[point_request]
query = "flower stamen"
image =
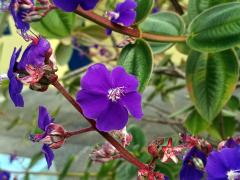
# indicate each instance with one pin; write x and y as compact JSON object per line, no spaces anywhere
{"x":115,"y":94}
{"x":233,"y":174}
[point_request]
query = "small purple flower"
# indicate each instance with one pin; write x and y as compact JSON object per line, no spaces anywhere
{"x":71,"y":5}
{"x":19,"y":10}
{"x":53,"y":136}
{"x":224,"y":164}
{"x":108,"y":96}
{"x":28,"y":70}
{"x":124,"y":14}
{"x":4,"y":175}
{"x":193,"y":165}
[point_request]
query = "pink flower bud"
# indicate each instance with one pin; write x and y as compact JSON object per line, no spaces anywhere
{"x":153,"y":150}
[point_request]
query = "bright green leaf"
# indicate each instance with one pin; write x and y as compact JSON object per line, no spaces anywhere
{"x":137,"y":59}
{"x":216,"y":29}
{"x":163,"y":23}
{"x":57,"y":24}
{"x":144,"y":8}
{"x":211,"y":80}
{"x":195,"y":124}
{"x":63,"y":53}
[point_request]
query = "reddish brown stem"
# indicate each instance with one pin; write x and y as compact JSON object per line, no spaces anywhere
{"x":130,"y":31}
{"x":80,"y":131}
{"x":124,"y":153}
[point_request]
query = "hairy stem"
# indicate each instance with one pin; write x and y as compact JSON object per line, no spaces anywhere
{"x":124,"y":153}
{"x":130,"y":31}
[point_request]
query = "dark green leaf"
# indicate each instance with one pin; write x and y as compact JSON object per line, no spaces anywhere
{"x":144,"y":8}
{"x":211,"y":80}
{"x":57,"y":24}
{"x":63,"y":53}
{"x":195,"y":124}
{"x":233,"y":103}
{"x":163,"y":23}
{"x":137,"y":59}
{"x":66,"y":168}
{"x":139,"y":139}
{"x":216,"y":29}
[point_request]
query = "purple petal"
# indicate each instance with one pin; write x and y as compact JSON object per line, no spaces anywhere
{"x":115,"y":117}
{"x":121,"y":78}
{"x":125,"y":6}
{"x":48,"y":154}
{"x":35,"y":54}
{"x":67,"y":5}
{"x":44,"y":119}
{"x":97,"y":79}
{"x":4,"y":175}
{"x":92,"y":104}
{"x":89,"y":4}
{"x":108,"y":31}
{"x":15,"y":86}
{"x":126,"y":18}
{"x":133,"y":102}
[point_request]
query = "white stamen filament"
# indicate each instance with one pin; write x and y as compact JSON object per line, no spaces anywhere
{"x":115,"y":93}
{"x":233,"y":175}
{"x":112,"y":15}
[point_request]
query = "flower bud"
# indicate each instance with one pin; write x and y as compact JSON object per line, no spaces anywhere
{"x":153,"y":150}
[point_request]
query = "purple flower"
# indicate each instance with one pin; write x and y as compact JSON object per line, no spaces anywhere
{"x":224,"y":164}
{"x":53,"y":135}
{"x":28,"y":70}
{"x":4,"y":175}
{"x":193,"y":165}
{"x":106,"y":96}
{"x":124,"y":14}
{"x":71,"y":5}
{"x":19,"y":10}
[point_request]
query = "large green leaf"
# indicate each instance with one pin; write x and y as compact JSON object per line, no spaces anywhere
{"x":143,"y":9}
{"x":164,"y":23}
{"x":137,"y":59}
{"x":195,"y":7}
{"x":63,"y":53}
{"x":211,"y":80}
{"x":195,"y":124}
{"x":216,"y":29}
{"x":57,"y":24}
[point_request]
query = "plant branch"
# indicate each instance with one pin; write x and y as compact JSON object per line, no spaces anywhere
{"x":177,"y":7}
{"x":124,"y":153}
{"x":130,"y":31}
{"x":174,"y":72}
{"x":80,"y":131}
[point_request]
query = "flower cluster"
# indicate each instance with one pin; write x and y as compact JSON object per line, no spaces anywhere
{"x":30,"y":69}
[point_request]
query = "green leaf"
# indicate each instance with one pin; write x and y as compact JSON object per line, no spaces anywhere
{"x":126,"y":171}
{"x":195,"y":7}
{"x":234,"y":103}
{"x":195,"y":124}
{"x":167,"y":23}
{"x":35,"y":159}
{"x":57,"y":24}
{"x":137,"y":59}
{"x":105,"y":169}
{"x":216,"y":29}
{"x":139,"y":139}
{"x":66,"y":168}
{"x":223,"y":127}
{"x":211,"y":80}
{"x":144,"y":8}
{"x":63,"y":53}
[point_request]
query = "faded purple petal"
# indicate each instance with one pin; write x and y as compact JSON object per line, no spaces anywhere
{"x":115,"y":117}
{"x":92,"y":104}
{"x":48,"y":154}
{"x":44,"y":119}
{"x":121,"y":78}
{"x":4,"y":175}
{"x":89,"y":4}
{"x":133,"y":102}
{"x":15,"y":86}
{"x":108,"y":31}
{"x":97,"y":79}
